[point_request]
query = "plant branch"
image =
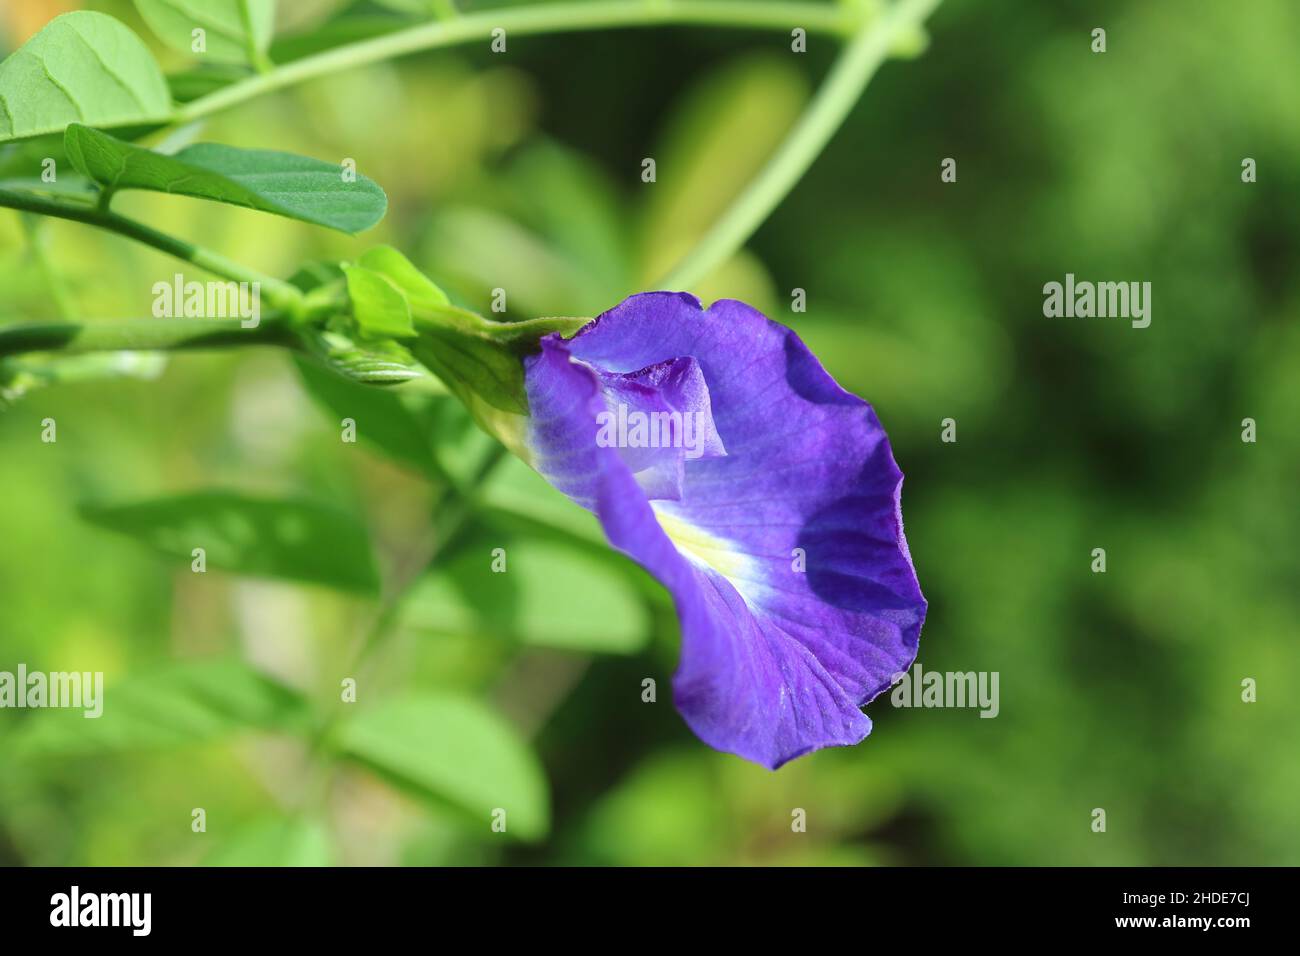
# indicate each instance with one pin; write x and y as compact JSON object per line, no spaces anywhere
{"x":142,"y":335}
{"x":279,"y":294}
{"x":850,"y":74}
{"x":530,"y":20}
{"x":453,"y":508}
{"x":824,"y":115}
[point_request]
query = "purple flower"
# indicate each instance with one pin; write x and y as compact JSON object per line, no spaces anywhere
{"x":719,"y":454}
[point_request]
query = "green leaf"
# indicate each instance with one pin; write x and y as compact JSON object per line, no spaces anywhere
{"x":180,"y":706}
{"x":383,"y":418}
{"x":82,"y":67}
{"x":281,"y":183}
{"x":235,"y":31}
{"x":480,"y":361}
{"x":379,"y":306}
{"x":515,"y":500}
{"x":551,"y":594}
{"x":441,"y":9}
{"x":419,"y":289}
{"x":276,"y":841}
{"x":460,"y":445}
{"x":285,"y":538}
{"x":453,"y":750}
{"x":409,"y":6}
{"x":315,"y":273}
{"x":516,"y":491}
{"x":665,"y":811}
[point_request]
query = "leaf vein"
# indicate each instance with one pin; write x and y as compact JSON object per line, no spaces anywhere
{"x":204,"y":22}
{"x":104,"y":66}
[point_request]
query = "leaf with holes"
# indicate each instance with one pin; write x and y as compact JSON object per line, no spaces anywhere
{"x":179,"y":706}
{"x":277,"y":538}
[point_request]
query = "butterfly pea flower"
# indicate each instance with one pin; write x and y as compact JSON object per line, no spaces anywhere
{"x":719,"y":454}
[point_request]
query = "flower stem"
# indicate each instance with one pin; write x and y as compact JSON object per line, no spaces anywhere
{"x":530,"y":20}
{"x":279,"y":294}
{"x":824,"y":115}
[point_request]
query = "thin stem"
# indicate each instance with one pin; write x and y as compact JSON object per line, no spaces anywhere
{"x":453,"y":509}
{"x":279,"y":294}
{"x":528,"y":20}
{"x":827,"y":111}
{"x":142,"y":335}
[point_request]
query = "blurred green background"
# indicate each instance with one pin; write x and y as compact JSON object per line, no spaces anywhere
{"x":523,"y":690}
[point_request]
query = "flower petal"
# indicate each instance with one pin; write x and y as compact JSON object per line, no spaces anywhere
{"x":658,"y":418}
{"x":785,"y":555}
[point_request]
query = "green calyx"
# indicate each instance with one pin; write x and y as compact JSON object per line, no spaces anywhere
{"x":481,"y":362}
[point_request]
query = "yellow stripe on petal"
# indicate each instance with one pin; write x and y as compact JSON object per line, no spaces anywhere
{"x":703,"y":548}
